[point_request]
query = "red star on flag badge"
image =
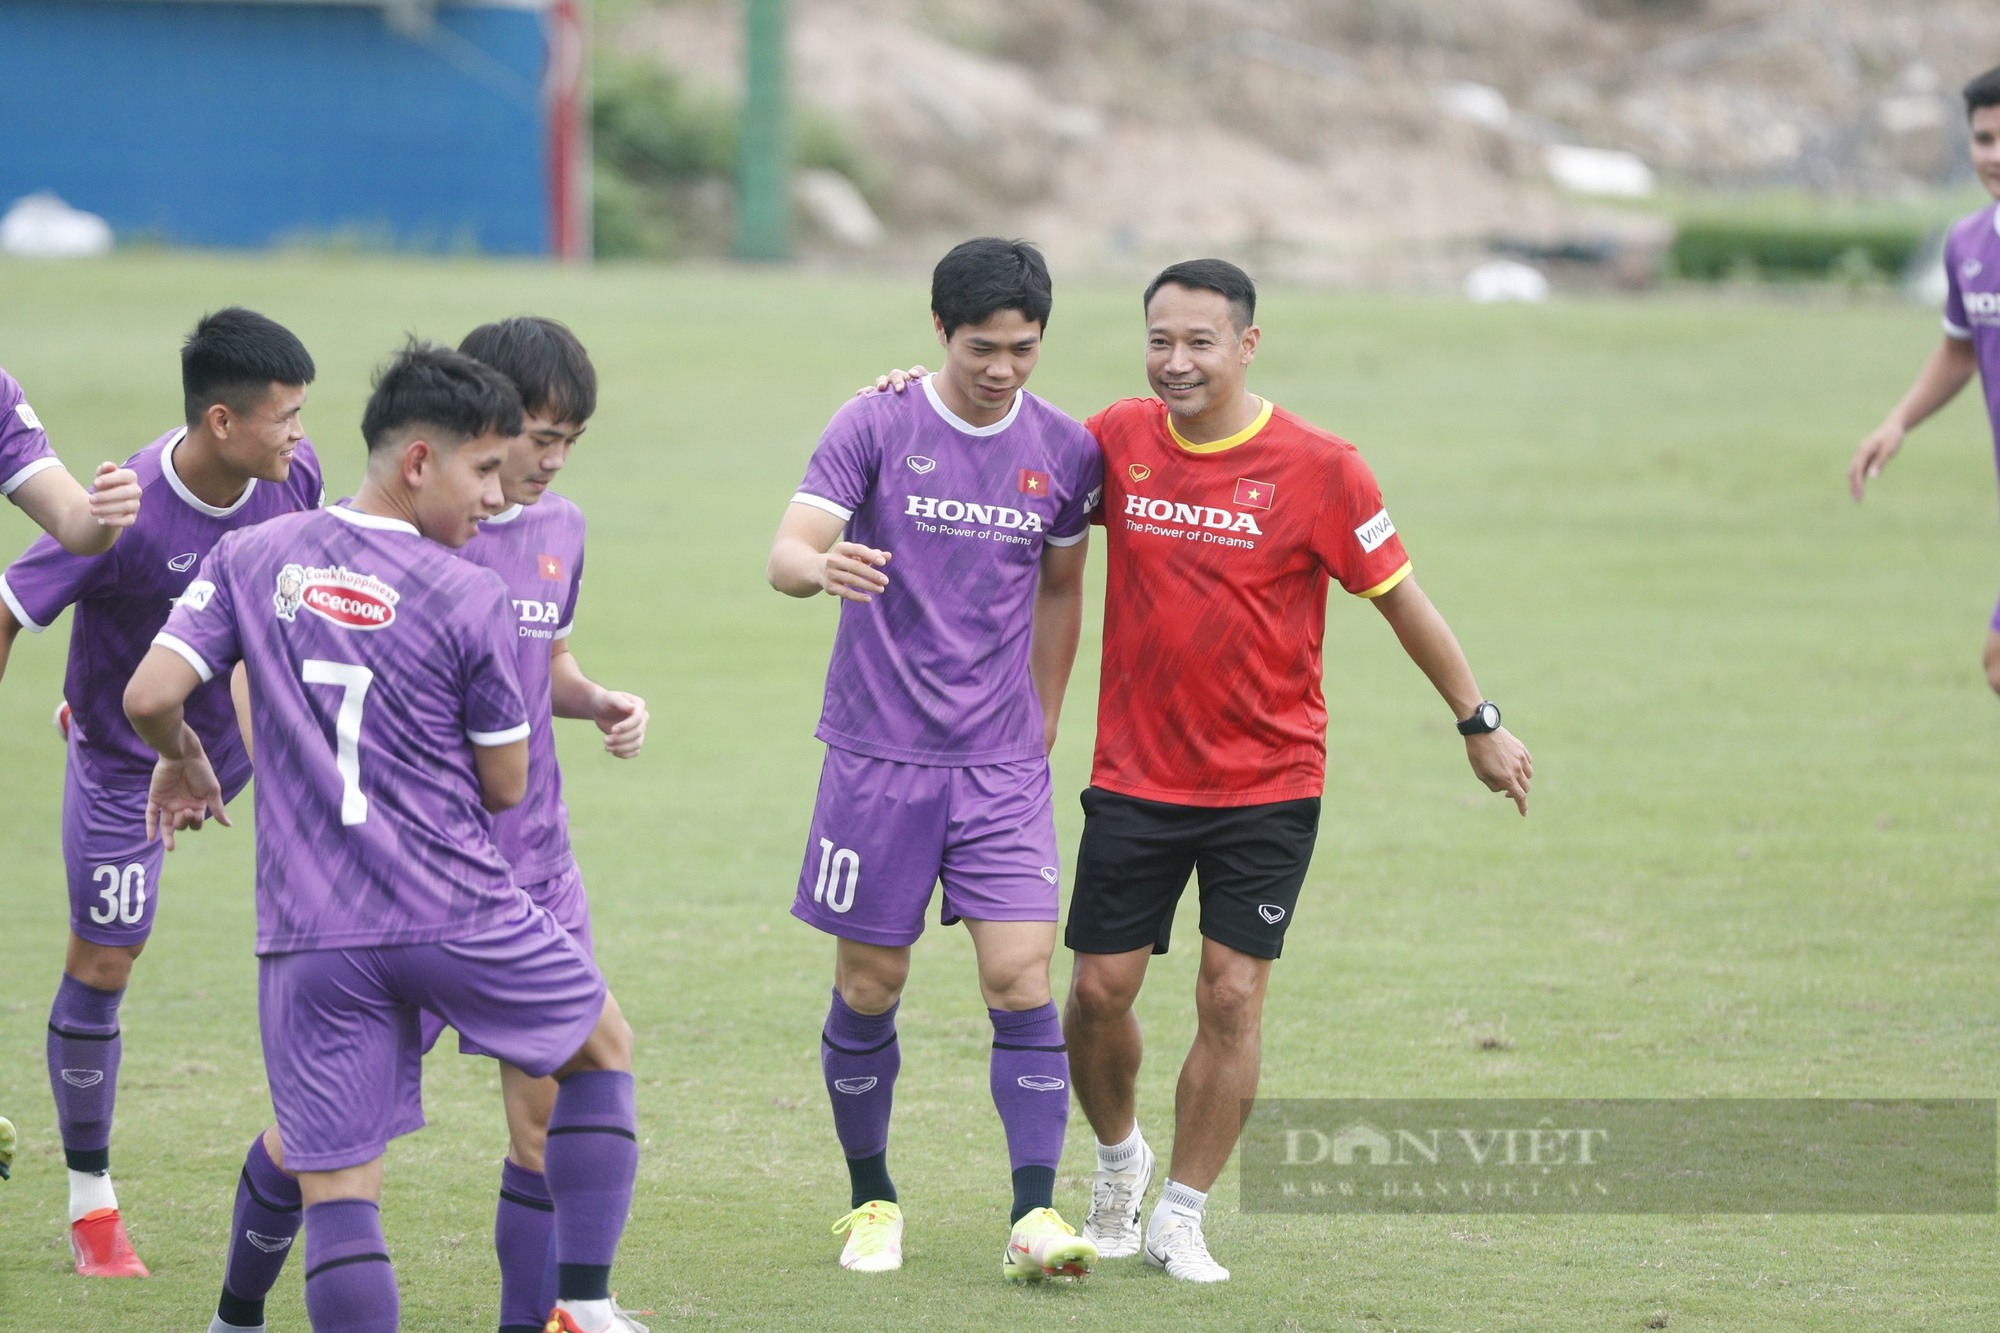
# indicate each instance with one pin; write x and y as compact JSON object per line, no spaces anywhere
{"x":1033,"y":482}
{"x":549,"y":567}
{"x":1256,"y":494}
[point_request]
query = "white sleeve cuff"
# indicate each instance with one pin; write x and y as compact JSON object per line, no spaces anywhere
{"x":1957,"y":331}
{"x":186,"y":654}
{"x":821,"y":502}
{"x":26,"y":621}
{"x":489,"y":739}
{"x":566,"y":630}
{"x":40,"y":465}
{"x":1054,"y":540}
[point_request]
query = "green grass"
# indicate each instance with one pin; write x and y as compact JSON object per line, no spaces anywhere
{"x":1761,"y":858}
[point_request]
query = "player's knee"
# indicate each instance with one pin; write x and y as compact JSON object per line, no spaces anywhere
{"x":106,"y":967}
{"x":1229,"y":1004}
{"x":871,"y":990}
{"x":1016,"y":991}
{"x":1099,"y":995}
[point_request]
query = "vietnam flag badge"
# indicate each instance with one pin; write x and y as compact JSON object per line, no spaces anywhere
{"x":1256,"y":494}
{"x":1033,"y":482}
{"x":549,"y":567}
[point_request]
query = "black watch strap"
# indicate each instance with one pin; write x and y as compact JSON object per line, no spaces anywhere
{"x":1485,"y":718}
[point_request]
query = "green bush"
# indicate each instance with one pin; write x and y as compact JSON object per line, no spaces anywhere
{"x":653,"y":139}
{"x":1709,"y":248}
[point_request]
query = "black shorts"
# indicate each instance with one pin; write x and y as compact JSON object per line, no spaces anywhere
{"x":1136,"y":856}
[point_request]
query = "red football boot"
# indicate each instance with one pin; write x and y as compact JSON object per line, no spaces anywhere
{"x":102,"y":1248}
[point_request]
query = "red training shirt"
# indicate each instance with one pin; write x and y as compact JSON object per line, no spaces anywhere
{"x":1215,"y":605}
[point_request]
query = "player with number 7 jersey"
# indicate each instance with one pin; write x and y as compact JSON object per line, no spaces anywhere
{"x":358,"y":632}
{"x":389,"y":722}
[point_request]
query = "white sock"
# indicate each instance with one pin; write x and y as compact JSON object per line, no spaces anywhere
{"x":594,"y":1316}
{"x":88,"y":1192}
{"x":1177,"y":1203}
{"x":1118,"y":1156}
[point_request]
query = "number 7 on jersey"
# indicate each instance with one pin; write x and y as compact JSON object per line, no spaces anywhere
{"x":354,"y":682}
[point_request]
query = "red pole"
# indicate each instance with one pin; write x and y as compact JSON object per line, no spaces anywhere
{"x":566,"y":86}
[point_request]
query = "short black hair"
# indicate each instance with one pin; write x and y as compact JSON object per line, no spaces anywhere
{"x":1983,"y":91}
{"x":544,"y":359}
{"x":440,"y":391}
{"x":1212,"y":275}
{"x":981,"y":277}
{"x":234,"y":356}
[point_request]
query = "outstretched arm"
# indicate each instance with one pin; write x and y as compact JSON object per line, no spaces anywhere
{"x":807,"y":557}
{"x":620,"y":716}
{"x":1949,"y":368}
{"x":1498,"y":759}
{"x":83,"y":522}
{"x":1058,"y":624}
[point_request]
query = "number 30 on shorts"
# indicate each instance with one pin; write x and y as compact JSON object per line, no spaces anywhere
{"x":123,"y":892}
{"x":839,"y":872}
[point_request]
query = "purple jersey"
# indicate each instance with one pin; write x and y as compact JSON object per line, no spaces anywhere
{"x":935,"y":669}
{"x":122,"y":598}
{"x":24,"y":446}
{"x":377,"y":660}
{"x":537,"y":550}
{"x":1972,"y":299}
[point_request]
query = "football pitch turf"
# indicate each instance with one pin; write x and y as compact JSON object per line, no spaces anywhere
{"x":1760,"y":859}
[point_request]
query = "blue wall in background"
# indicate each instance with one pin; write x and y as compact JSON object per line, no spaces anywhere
{"x":247,"y":124}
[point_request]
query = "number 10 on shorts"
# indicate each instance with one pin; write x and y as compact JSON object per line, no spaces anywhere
{"x":839,"y":871}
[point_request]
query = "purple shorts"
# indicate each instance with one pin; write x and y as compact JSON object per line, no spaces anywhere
{"x":1994,"y":624}
{"x":563,"y":898}
{"x":114,"y":873}
{"x":885,"y":833}
{"x":341,"y":1027}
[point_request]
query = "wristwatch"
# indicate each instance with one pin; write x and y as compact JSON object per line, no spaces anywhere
{"x":1484,"y":718}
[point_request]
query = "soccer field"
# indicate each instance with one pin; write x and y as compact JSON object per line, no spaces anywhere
{"x":1760,"y":859}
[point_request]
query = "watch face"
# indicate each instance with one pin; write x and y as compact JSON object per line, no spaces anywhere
{"x":1489,"y":716}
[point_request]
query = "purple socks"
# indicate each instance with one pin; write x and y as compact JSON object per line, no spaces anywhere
{"x":261,"y":1230}
{"x":860,"y":1057}
{"x":84,"y":1047}
{"x":590,"y":1163}
{"x":350,"y":1287}
{"x":523,"y":1233}
{"x":1030,"y":1081}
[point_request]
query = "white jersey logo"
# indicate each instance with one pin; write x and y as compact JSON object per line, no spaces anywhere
{"x":1375,"y":531}
{"x":28,"y":417}
{"x":1049,"y":874}
{"x":181,"y":564}
{"x":197,"y":596}
{"x":919,"y":464}
{"x":1969,"y":270}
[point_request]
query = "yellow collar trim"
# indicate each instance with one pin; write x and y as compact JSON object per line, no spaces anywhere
{"x":1217,"y":446}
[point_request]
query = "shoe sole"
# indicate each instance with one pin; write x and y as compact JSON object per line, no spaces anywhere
{"x":1071,"y":1260}
{"x":1161,"y":1264}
